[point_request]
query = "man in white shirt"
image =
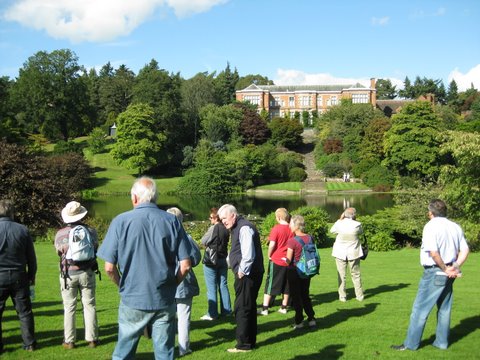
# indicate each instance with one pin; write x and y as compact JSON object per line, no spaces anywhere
{"x":444,"y":249}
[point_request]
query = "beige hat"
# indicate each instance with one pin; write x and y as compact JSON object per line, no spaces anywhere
{"x":73,"y":212}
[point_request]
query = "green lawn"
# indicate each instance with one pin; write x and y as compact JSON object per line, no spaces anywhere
{"x":284,"y":186}
{"x":342,"y":186}
{"x":350,"y":330}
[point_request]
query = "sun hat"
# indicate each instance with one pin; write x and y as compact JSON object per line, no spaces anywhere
{"x":73,"y":212}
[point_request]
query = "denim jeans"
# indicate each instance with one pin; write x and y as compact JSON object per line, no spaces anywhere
{"x":14,"y":284}
{"x":433,"y":289}
{"x":216,"y":280}
{"x":83,"y":282}
{"x":131,"y":324}
{"x":184,"y":309}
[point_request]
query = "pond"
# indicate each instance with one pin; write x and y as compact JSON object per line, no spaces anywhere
{"x":198,"y":207}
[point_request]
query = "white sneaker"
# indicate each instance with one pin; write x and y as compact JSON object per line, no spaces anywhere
{"x":206,"y":317}
{"x":262,"y":312}
{"x":312,"y":323}
{"x":282,"y":310}
{"x":359,"y":298}
{"x":298,"y":326}
{"x":342,"y":299}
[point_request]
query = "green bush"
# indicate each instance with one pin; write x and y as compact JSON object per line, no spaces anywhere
{"x":297,"y":174}
{"x":333,"y":170}
{"x":316,"y":223}
{"x":97,"y":141}
{"x":381,"y":241}
{"x":64,"y":147}
{"x":472,"y":234}
{"x":379,"y":178}
{"x":267,"y":224}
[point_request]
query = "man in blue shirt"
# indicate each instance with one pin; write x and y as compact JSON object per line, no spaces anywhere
{"x":141,"y":250}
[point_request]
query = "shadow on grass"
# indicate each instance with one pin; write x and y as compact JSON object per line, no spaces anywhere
{"x":369,"y":293}
{"x":329,"y":352}
{"x":458,"y":332}
{"x":329,"y":321}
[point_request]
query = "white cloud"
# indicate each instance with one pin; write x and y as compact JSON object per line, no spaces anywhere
{"x":420,"y":14}
{"x":297,"y":77}
{"x":96,"y":20}
{"x":465,"y":81}
{"x":380,"y":21}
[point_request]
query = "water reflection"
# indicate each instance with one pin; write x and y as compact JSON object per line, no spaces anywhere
{"x":198,"y":207}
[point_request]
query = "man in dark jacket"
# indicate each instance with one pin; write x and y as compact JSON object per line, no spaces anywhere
{"x":246,"y":261}
{"x":17,"y":254}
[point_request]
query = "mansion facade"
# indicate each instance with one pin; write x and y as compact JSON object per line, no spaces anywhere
{"x":286,"y":100}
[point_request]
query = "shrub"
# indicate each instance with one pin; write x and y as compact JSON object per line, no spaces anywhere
{"x":472,"y":234}
{"x":381,"y":241}
{"x":286,"y":132}
{"x":64,"y":147}
{"x":97,"y":141}
{"x":316,"y":223}
{"x":333,"y":170}
{"x":297,"y":174}
{"x":379,"y":177}
{"x":267,"y":224}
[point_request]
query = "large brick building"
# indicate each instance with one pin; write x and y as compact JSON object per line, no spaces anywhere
{"x":286,"y":100}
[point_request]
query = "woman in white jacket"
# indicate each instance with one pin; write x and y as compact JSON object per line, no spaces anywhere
{"x":347,"y":250}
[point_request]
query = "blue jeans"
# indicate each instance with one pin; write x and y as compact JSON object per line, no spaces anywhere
{"x":216,"y":279}
{"x":433,"y":289}
{"x":131,"y":324}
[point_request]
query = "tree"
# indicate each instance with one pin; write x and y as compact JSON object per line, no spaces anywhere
{"x":407,"y":91}
{"x":253,"y":129}
{"x":139,"y":144}
{"x":286,"y":132}
{"x":412,"y":141}
{"x":49,"y":95}
{"x":225,"y":86}
{"x":245,"y":81}
{"x":385,"y":89}
{"x":461,"y":176}
{"x":196,"y":93}
{"x":220,"y":123}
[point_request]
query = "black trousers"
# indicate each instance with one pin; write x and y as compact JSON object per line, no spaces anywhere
{"x":14,"y":284}
{"x":300,"y":295}
{"x":245,"y":308}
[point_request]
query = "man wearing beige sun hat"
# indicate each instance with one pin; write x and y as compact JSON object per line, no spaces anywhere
{"x":77,"y":274}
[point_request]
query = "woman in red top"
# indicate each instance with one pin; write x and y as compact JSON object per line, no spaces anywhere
{"x":299,"y":288}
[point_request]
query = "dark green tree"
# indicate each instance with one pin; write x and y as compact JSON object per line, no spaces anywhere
{"x":286,"y":132}
{"x":385,"y":89}
{"x":245,"y":81}
{"x":225,"y":84}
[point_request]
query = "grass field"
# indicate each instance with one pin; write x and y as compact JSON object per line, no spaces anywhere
{"x":345,"y":186}
{"x":350,"y":330}
{"x":284,"y":186}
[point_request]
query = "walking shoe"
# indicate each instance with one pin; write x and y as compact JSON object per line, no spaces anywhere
{"x":399,"y":347}
{"x":186,"y":352}
{"x":30,"y":348}
{"x":282,"y":310}
{"x":312,"y":323}
{"x":68,"y":346}
{"x":235,"y":350}
{"x":342,"y":299}
{"x":298,"y":326}
{"x":93,"y":344}
{"x":206,"y":317}
{"x":359,"y":298}
{"x":262,"y":312}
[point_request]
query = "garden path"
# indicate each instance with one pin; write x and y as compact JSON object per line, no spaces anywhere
{"x":315,"y":180}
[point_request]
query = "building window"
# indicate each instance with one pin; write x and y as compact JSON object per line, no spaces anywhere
{"x":254,"y":99}
{"x":291,"y":101}
{"x":360,"y":98}
{"x":319,"y":101}
{"x":305,"y":101}
{"x":333,"y":100}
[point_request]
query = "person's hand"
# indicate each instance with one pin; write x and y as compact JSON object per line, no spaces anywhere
{"x":240,"y":274}
{"x":453,"y":272}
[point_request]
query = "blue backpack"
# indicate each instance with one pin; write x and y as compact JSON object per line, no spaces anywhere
{"x":309,"y":263}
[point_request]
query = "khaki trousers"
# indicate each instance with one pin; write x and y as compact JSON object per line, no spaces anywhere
{"x":354,"y":266}
{"x":83,"y":283}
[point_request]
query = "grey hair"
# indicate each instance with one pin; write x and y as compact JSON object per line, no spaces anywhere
{"x":298,"y":222}
{"x":350,"y":213}
{"x":227,"y":209}
{"x":6,"y":208}
{"x":177,"y":212}
{"x":145,"y":189}
{"x":438,"y":208}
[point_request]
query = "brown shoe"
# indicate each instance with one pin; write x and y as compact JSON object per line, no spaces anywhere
{"x":93,"y":344}
{"x":68,"y":346}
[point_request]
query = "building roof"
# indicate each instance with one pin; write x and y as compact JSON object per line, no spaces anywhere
{"x":296,"y":88}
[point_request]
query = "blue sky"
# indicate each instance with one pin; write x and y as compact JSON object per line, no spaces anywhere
{"x":290,"y":41}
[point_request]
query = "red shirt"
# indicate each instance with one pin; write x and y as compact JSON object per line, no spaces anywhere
{"x":280,"y":233}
